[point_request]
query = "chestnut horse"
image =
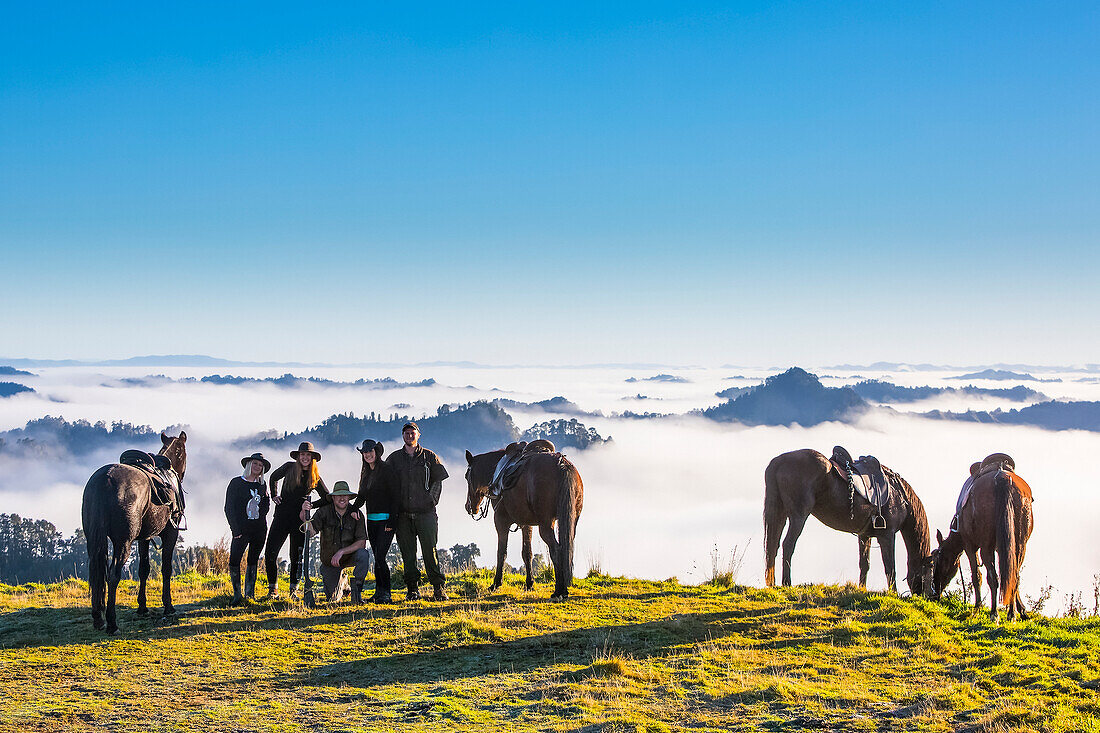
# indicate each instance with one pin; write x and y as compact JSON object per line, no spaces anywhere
{"x":995,"y":521}
{"x":804,"y":482}
{"x":548,"y":491}
{"x":118,"y":506}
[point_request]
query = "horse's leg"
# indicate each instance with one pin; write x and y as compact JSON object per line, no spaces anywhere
{"x":1020,"y":607}
{"x":887,"y":547}
{"x":864,"y":559}
{"x":167,"y":549}
{"x":120,"y":554}
{"x":527,"y":532}
{"x":546,"y":532}
{"x":990,"y":562}
{"x":143,"y":575}
{"x":794,"y":529}
{"x":502,"y":525}
{"x":975,"y":577}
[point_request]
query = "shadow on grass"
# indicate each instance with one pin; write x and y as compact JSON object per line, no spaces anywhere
{"x":575,"y":646}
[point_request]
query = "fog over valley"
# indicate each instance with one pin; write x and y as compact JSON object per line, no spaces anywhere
{"x":667,"y":488}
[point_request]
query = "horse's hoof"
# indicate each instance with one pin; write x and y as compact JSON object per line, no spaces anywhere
{"x":112,"y":630}
{"x":529,"y":586}
{"x":170,"y":611}
{"x":98,"y":624}
{"x":142,"y":611}
{"x":494,"y":588}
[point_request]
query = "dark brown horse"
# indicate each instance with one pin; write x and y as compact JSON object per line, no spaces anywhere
{"x":804,"y":482}
{"x":118,"y":507}
{"x":548,"y":491}
{"x":996,"y":522}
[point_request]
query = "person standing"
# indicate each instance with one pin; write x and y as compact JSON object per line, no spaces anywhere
{"x":420,"y":480}
{"x":300,"y":478}
{"x":246,"y":505}
{"x":343,"y":542}
{"x":378,"y":490}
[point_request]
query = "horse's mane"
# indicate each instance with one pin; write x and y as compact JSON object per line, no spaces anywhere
{"x":917,"y":516}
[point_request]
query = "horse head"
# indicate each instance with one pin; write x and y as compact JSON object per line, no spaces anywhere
{"x":941,"y":566}
{"x":175,"y":450}
{"x":479,"y":473}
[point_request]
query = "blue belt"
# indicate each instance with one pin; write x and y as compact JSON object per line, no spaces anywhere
{"x":378,"y":517}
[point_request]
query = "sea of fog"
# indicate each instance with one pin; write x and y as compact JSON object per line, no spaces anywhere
{"x":660,"y":499}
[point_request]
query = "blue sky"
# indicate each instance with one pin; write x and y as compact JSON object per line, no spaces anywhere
{"x":682,"y":183}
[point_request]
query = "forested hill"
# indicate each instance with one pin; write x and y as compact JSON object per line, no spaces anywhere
{"x":793,"y":397}
{"x":477,"y":427}
{"x":55,"y":437}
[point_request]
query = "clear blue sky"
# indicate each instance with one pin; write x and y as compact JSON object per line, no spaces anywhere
{"x":672,"y":182}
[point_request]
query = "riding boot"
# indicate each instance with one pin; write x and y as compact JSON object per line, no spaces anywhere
{"x":357,"y":594}
{"x":440,"y":594}
{"x":235,"y":577}
{"x":412,"y":594}
{"x":250,"y":582}
{"x":293,"y":594}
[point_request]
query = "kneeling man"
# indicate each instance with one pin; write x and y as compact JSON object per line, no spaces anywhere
{"x":343,"y":542}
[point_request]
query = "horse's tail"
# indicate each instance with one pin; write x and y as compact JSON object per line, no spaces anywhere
{"x":1008,"y":562}
{"x":773,"y":521}
{"x":570,"y":491}
{"x":94,"y":518}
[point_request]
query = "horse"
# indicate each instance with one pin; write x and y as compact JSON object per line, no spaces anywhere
{"x":995,"y":521}
{"x":118,"y":506}
{"x":804,"y":482}
{"x":547,"y":491}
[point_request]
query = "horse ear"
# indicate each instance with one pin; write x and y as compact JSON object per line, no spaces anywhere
{"x":183,"y":437}
{"x":164,"y":438}
{"x":939,"y":537}
{"x":469,"y":458}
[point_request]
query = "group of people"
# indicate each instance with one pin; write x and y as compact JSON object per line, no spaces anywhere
{"x":395,"y":496}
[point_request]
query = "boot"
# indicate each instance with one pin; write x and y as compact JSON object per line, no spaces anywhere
{"x":293,"y":594}
{"x":235,"y":577}
{"x":440,"y":594}
{"x":381,"y":597}
{"x":412,"y":594}
{"x":357,"y":593}
{"x":250,"y":582}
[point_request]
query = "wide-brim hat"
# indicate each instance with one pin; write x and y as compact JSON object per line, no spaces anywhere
{"x":373,"y":445}
{"x":256,"y":457}
{"x":305,"y":447}
{"x":340,"y":488}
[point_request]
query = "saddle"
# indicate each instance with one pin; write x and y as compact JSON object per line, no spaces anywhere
{"x":164,"y":485}
{"x":992,"y":462}
{"x":513,"y":462}
{"x":866,"y":477}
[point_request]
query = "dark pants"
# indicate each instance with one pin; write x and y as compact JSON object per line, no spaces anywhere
{"x":380,"y":536}
{"x":252,"y":539}
{"x":283,"y":525}
{"x":423,"y":527}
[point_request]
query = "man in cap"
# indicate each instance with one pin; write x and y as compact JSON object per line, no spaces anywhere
{"x":343,"y":542}
{"x":420,"y":475}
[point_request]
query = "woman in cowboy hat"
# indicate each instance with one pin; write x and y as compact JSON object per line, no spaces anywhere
{"x":378,"y":489}
{"x":246,"y":506}
{"x":299,"y":478}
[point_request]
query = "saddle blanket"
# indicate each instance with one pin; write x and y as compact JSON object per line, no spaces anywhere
{"x":512,"y":463}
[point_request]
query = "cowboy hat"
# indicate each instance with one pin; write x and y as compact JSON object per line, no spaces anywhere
{"x":340,"y":488}
{"x":256,"y":457}
{"x":373,"y":445}
{"x":305,"y":447}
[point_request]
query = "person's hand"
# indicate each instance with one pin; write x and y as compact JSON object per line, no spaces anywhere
{"x":237,"y":536}
{"x":355,"y":516}
{"x":277,"y":499}
{"x":335,"y":561}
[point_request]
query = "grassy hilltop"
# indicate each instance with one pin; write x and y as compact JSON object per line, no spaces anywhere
{"x":619,"y":655}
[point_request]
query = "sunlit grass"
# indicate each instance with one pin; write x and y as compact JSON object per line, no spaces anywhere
{"x":619,"y":654}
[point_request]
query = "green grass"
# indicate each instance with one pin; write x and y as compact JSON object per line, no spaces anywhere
{"x":618,"y":655}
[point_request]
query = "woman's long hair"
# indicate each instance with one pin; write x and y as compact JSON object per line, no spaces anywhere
{"x":366,"y":471}
{"x":311,"y":475}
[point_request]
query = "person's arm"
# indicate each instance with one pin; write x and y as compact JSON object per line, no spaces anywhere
{"x":436,"y":474}
{"x":276,"y":476}
{"x":323,"y":491}
{"x":234,"y":512}
{"x":359,"y":543}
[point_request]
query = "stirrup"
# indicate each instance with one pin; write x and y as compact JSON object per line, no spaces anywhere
{"x":878,"y":522}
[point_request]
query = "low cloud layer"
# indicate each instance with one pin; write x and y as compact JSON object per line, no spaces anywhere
{"x":659,"y":498}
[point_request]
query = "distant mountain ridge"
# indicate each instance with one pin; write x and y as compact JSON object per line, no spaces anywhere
{"x":793,"y":397}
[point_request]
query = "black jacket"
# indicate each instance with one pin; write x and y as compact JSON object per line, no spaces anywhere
{"x":379,"y":490}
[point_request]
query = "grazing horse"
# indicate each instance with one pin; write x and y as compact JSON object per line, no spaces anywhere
{"x":804,"y":482}
{"x":995,"y":521}
{"x":548,"y":491}
{"x":118,"y":506}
